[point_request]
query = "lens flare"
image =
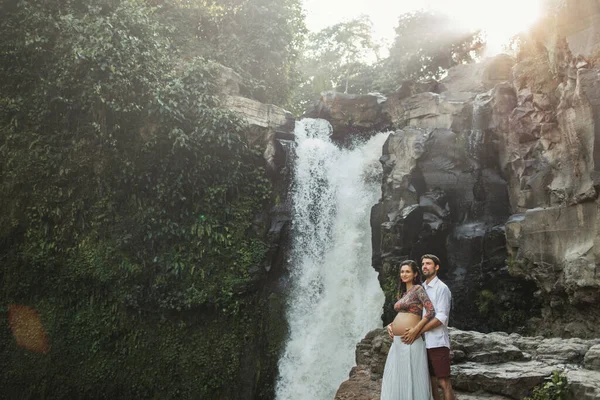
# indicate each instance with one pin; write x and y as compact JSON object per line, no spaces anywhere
{"x":27,"y":328}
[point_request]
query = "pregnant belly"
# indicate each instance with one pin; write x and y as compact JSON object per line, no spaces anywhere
{"x":403,"y":321}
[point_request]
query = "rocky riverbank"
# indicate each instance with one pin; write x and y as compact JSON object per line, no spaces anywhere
{"x":494,"y":366}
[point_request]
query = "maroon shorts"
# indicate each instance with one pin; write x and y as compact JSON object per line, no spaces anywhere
{"x":438,"y":359}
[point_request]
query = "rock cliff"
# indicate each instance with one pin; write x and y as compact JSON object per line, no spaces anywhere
{"x":495,"y":169}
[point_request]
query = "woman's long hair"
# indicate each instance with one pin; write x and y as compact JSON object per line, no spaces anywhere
{"x":416,"y":280}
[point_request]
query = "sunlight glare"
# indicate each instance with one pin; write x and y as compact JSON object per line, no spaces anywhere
{"x":500,"y":20}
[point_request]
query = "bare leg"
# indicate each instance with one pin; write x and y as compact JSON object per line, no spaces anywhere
{"x":434,"y":388}
{"x":447,"y":388}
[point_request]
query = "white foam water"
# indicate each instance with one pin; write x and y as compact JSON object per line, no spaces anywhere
{"x":335,"y":298}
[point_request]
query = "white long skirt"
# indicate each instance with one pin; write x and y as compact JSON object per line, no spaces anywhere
{"x":406,"y":375}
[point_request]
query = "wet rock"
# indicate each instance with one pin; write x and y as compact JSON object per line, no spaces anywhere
{"x":360,"y":386}
{"x":350,"y":114}
{"x":278,"y":238}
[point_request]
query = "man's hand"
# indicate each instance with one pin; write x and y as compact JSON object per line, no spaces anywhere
{"x":389,"y":331}
{"x":410,"y":335}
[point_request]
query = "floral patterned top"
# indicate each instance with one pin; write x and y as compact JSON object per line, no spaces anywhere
{"x":413,"y":302}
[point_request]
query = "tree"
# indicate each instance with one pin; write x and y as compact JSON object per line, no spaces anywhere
{"x":338,"y":57}
{"x":427,"y":44}
{"x":335,"y":53}
{"x":260,"y":39}
{"x":127,"y":202}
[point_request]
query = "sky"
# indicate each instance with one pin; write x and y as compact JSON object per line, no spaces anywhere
{"x":500,"y":19}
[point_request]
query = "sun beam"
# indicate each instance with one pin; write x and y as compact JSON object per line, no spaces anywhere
{"x":500,"y":20}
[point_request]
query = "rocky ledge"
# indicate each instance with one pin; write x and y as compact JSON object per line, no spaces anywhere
{"x":493,"y":366}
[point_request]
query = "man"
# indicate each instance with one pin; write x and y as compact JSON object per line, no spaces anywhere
{"x":437,"y":340}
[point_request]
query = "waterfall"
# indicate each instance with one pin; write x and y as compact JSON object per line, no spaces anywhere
{"x":335,"y":298}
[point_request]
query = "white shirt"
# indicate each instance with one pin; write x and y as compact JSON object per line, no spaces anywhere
{"x":440,"y":296}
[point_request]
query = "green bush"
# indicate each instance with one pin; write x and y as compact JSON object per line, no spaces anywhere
{"x":127,"y":200}
{"x":555,"y":389}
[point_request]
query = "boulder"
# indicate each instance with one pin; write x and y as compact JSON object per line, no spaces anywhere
{"x":360,"y":386}
{"x":261,"y":117}
{"x":267,"y":124}
{"x":510,"y":379}
{"x":584,"y":384}
{"x":350,"y":114}
{"x":592,"y":358}
{"x":487,"y":366}
{"x":479,"y":77}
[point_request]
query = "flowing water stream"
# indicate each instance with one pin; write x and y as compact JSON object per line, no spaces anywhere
{"x":335,"y":298}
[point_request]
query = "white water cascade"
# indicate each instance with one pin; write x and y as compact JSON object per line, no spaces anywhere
{"x":335,"y":297}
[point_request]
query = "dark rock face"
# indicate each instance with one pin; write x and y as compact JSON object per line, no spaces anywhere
{"x":495,"y":170}
{"x":443,"y":192}
{"x":497,"y":174}
{"x":350,"y":114}
{"x":488,"y":366}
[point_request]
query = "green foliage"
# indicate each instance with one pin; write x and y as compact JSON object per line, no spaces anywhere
{"x":260,"y":39}
{"x":127,"y":196}
{"x":427,"y":44}
{"x":500,"y":314}
{"x":486,"y":301}
{"x":555,"y":389}
{"x":345,"y":57}
{"x":390,"y":290}
{"x":338,"y":57}
{"x":335,"y":54}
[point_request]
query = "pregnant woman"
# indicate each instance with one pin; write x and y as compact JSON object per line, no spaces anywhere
{"x":406,"y":376}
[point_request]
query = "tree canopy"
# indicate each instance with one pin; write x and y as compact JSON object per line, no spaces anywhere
{"x":128,"y":199}
{"x":260,"y":39}
{"x":339,"y":58}
{"x":427,"y":44}
{"x":345,"y":57}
